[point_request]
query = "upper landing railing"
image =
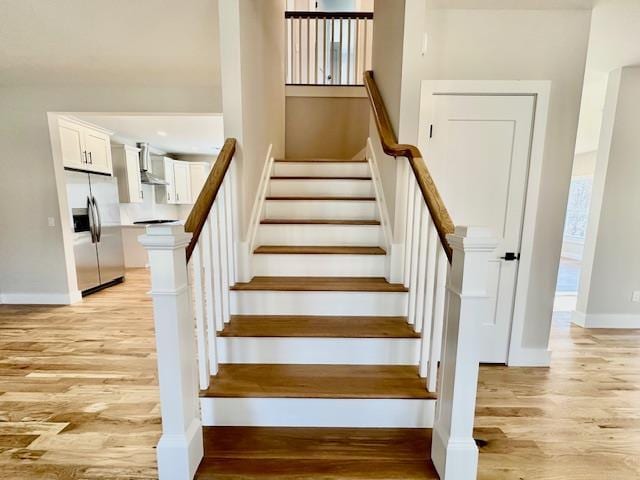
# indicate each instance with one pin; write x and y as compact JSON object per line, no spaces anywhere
{"x":328,"y":48}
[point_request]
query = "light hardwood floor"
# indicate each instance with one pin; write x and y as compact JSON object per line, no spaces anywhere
{"x":78,"y":398}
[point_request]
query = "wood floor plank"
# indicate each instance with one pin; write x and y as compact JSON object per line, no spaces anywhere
{"x":320,"y":284}
{"x":294,"y":221}
{"x":317,"y":381}
{"x":318,"y":250}
{"x":318,"y":327}
{"x":578,"y":420}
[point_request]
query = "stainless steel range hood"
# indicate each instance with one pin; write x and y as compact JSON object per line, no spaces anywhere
{"x":146,"y":176}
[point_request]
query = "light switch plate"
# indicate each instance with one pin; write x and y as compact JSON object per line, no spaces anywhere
{"x":635,"y":296}
{"x":51,"y":221}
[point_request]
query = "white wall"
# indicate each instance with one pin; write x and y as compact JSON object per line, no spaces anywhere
{"x":387,"y":64}
{"x":119,"y":61}
{"x":487,"y":44}
{"x":611,"y":264}
{"x":252,"y":46}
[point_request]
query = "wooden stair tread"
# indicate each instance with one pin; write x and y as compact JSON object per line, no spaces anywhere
{"x":258,"y":380}
{"x":319,"y":160}
{"x":318,"y":250}
{"x":317,"y":326}
{"x":314,"y":453}
{"x":320,"y":284}
{"x":319,"y":178}
{"x":323,"y":198}
{"x":292,"y":221}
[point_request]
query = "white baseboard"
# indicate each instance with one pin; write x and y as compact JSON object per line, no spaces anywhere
{"x":529,"y":357}
{"x":41,"y":298}
{"x":454,"y":459}
{"x":605,"y":320}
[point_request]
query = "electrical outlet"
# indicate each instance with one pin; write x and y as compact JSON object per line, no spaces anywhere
{"x":51,"y":221}
{"x":635,"y":296}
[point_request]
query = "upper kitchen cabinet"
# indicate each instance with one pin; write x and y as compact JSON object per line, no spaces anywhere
{"x":199,"y":172}
{"x":85,"y":147}
{"x":126,"y":167}
{"x":182,"y":181}
{"x":162,"y":167}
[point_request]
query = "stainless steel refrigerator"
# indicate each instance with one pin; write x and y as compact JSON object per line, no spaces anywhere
{"x":97,"y":239}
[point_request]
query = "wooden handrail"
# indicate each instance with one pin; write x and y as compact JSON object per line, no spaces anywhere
{"x":441,"y":218}
{"x":202,"y":207}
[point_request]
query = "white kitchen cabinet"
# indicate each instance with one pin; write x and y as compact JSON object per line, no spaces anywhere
{"x":126,"y":167}
{"x":85,"y":146}
{"x":199,"y":171}
{"x":182,"y":182}
{"x":162,"y":167}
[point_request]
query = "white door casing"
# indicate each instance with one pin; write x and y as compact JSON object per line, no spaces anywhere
{"x":479,"y":156}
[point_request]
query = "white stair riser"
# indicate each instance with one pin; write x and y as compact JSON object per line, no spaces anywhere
{"x":321,"y":209}
{"x":327,"y":351}
{"x":321,"y":169}
{"x":317,"y":412}
{"x":318,"y":265}
{"x":318,"y":303}
{"x":353,"y":188}
{"x":355,"y":235}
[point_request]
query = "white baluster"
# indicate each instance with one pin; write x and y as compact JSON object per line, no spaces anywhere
{"x":216,"y":268}
{"x":205,"y":251}
{"x":180,"y":448}
{"x":224,"y":263}
{"x":422,"y":266}
{"x":199,"y":305}
{"x":408,"y":234}
{"x":433,"y":244}
{"x":454,"y":452}
{"x":418,"y":205}
{"x":439,"y":316}
{"x":228,"y":195}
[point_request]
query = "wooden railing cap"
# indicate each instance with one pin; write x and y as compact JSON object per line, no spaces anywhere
{"x":200,"y":211}
{"x":439,"y":214}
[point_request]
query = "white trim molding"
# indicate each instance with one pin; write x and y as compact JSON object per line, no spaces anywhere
{"x":245,"y":247}
{"x":354,"y":91}
{"x":41,"y":298}
{"x":605,"y":320}
{"x":540,"y":90}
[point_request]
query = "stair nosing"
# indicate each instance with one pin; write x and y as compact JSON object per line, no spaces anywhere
{"x":298,"y":284}
{"x":312,"y":178}
{"x":293,"y":198}
{"x":318,"y":160}
{"x":359,"y":250}
{"x":320,"y":221}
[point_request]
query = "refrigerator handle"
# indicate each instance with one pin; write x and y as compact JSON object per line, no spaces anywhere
{"x":92,"y":220}
{"x":97,"y":210}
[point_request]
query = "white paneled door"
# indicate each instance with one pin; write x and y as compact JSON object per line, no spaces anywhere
{"x":477,"y":148}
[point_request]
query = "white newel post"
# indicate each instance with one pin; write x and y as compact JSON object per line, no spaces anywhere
{"x":180,"y":448}
{"x":453,"y":450}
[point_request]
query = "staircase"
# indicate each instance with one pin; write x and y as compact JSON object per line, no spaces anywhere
{"x":316,"y":365}
{"x":318,"y":338}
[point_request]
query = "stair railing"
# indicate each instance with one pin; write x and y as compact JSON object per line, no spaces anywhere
{"x":446,"y":271}
{"x":327,"y":48}
{"x":192,"y":268}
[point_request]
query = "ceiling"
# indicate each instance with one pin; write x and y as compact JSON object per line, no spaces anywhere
{"x":184,"y":134}
{"x":109,"y":42}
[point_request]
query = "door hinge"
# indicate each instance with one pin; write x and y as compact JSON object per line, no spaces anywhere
{"x":431,"y":131}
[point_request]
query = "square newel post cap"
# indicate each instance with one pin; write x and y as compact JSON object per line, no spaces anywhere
{"x":473,"y":239}
{"x":165,"y":237}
